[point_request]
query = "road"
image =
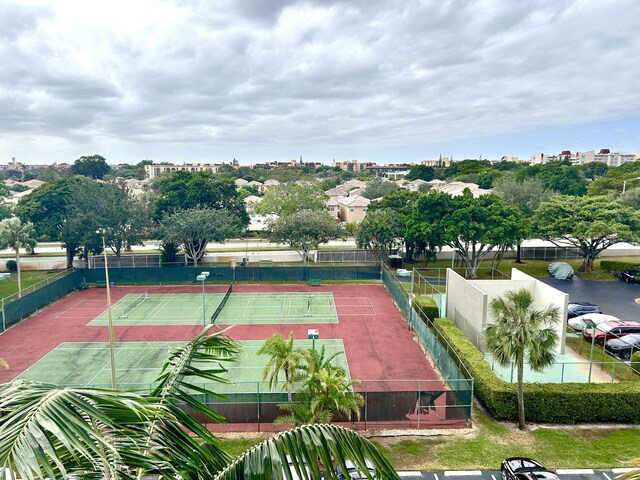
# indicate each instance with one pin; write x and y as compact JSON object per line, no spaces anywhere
{"x":564,"y":474}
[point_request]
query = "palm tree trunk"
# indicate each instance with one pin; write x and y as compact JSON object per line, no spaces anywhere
{"x":522,"y":424}
{"x":18,"y":267}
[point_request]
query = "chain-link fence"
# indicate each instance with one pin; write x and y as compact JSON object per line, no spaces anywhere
{"x":346,"y":256}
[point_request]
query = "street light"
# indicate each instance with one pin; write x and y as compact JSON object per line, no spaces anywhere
{"x":624,"y":184}
{"x":112,"y":353}
{"x":201,"y":278}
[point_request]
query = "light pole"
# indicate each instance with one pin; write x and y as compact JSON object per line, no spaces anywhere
{"x":624,"y":184}
{"x":201,"y":278}
{"x":112,"y":352}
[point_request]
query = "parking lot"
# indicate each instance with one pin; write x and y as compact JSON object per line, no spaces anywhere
{"x":615,"y":298}
{"x":564,"y":474}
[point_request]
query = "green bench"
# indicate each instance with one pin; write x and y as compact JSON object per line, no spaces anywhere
{"x":101,"y":283}
{"x":314,"y":281}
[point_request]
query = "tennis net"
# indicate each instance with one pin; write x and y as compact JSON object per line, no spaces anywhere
{"x":222,"y":304}
{"x":133,"y":304}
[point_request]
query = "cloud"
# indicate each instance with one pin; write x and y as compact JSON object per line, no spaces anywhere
{"x":244,"y":75}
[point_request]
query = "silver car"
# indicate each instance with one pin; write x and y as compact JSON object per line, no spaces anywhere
{"x":589,"y":320}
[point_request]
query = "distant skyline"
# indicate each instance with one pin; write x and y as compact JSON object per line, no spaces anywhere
{"x":207,"y":81}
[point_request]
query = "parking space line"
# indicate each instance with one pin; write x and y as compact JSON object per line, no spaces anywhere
{"x":624,"y":470}
{"x":435,"y":475}
{"x":606,"y":476}
{"x":462,"y":473}
{"x":575,"y":471}
{"x":493,"y":476}
{"x":409,"y":474}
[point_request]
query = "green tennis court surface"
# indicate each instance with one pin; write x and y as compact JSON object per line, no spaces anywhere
{"x":240,"y":308}
{"x":138,"y":364}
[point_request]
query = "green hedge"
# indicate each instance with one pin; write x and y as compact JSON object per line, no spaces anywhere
{"x":613,"y":266}
{"x":545,"y":402}
{"x":636,"y":359}
{"x":427,"y":305}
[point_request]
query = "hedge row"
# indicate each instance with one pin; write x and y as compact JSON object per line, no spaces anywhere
{"x":545,"y":402}
{"x":427,"y":305}
{"x":613,"y":266}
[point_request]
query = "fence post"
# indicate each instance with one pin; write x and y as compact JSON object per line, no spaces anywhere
{"x":258,"y":402}
{"x":366,"y":402}
{"x":4,"y":324}
{"x":419,"y":404}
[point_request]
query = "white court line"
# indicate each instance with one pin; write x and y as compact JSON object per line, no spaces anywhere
{"x":575,"y":471}
{"x":623,"y":470}
{"x":151,"y":314}
{"x":75,"y":305}
{"x":108,"y":364}
{"x":409,"y":474}
{"x":462,"y":473}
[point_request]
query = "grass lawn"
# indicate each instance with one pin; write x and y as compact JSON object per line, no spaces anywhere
{"x":29,"y":277}
{"x":566,"y":447}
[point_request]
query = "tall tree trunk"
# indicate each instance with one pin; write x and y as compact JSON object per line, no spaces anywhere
{"x":522,"y":424}
{"x":587,"y":263}
{"x":18,"y":267}
{"x":71,"y":253}
{"x":518,"y":253}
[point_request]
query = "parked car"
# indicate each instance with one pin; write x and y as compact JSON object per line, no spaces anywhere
{"x":608,"y":330}
{"x":294,"y":475}
{"x":522,"y":468}
{"x":630,"y":276}
{"x":623,"y":347}
{"x":587,"y":320}
{"x":354,"y":472}
{"x":580,"y":308}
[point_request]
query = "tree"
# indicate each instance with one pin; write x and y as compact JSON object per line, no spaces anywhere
{"x":559,"y":177}
{"x":284,"y":359}
{"x":613,"y":180}
{"x":49,"y":431}
{"x":195,"y":228}
{"x":183,"y":190}
{"x":591,"y":224}
{"x":93,"y":166}
{"x":378,"y":188}
{"x":473,"y":227}
{"x":114,"y":212}
{"x":594,"y":170}
{"x":401,"y":203}
{"x":287,"y":199}
{"x":15,"y":235}
{"x":381,"y":232}
{"x":303,"y":230}
{"x":521,"y":334}
{"x":631,"y":198}
{"x":49,"y":207}
{"x":526,"y":195}
{"x":421,"y":172}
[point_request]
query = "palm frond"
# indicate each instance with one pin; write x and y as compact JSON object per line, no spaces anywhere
{"x":48,"y":431}
{"x":310,"y":445}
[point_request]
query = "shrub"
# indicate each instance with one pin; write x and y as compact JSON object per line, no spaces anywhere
{"x":635,"y":360}
{"x":12,"y":266}
{"x":613,"y":266}
{"x":427,"y":306}
{"x":545,"y":402}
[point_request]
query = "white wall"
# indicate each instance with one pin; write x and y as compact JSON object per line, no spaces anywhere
{"x":466,"y":306}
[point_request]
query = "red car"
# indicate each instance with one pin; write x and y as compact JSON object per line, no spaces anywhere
{"x":607,"y":330}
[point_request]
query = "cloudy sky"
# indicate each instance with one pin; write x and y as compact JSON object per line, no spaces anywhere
{"x":256,"y":80}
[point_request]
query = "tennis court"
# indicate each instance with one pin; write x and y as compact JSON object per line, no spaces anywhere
{"x":138,"y":364}
{"x":221,"y":308}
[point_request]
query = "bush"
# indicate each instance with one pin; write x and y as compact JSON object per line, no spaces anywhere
{"x":12,"y":266}
{"x":613,"y":266}
{"x":427,"y":306}
{"x":635,"y":360}
{"x":545,"y":402}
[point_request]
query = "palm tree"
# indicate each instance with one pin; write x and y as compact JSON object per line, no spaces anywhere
{"x":333,"y":395}
{"x":15,"y":235}
{"x":520,"y":333}
{"x":55,"y":432}
{"x":285,"y":358}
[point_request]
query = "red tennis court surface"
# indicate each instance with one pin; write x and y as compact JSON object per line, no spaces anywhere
{"x":378,"y":343}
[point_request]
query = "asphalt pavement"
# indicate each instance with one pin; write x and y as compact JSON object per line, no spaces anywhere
{"x":564,"y":474}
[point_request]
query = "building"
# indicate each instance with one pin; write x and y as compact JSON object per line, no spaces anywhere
{"x":612,"y":159}
{"x":353,"y":209}
{"x":440,"y":162}
{"x":158,"y":170}
{"x":457,"y":188}
{"x":353,"y":165}
{"x":333,"y":208}
{"x":337,"y":193}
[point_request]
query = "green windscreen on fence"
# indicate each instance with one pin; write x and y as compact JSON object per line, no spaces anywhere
{"x":18,"y":308}
{"x":461,"y":383}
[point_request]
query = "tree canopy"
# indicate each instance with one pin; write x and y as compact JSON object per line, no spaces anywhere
{"x":301,"y":227}
{"x":93,"y":166}
{"x":378,"y":188}
{"x":183,"y":190}
{"x":381,"y":231}
{"x":591,"y":224}
{"x":471,"y":226}
{"x":286,"y":199}
{"x":421,"y":172}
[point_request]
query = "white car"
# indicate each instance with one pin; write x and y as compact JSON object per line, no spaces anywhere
{"x":294,"y":475}
{"x":589,"y":320}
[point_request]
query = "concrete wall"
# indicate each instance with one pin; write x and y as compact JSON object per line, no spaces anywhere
{"x":37,"y":263}
{"x":466,"y":306}
{"x":544,"y":296}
